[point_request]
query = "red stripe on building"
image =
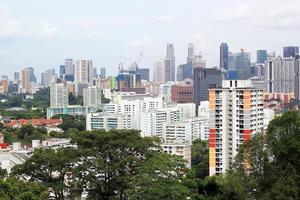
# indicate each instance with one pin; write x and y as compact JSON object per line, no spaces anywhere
{"x":212,"y":138}
{"x":246,"y":135}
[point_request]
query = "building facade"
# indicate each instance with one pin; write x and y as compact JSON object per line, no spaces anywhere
{"x":236,"y":114}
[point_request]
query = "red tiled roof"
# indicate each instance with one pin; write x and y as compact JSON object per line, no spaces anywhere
{"x":34,"y":122}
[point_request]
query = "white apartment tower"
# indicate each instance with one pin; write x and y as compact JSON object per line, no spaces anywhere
{"x":59,"y":96}
{"x":92,"y":97}
{"x":236,"y":114}
{"x":84,"y":71}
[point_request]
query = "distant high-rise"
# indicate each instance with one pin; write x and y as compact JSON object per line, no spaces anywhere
{"x":59,"y":96}
{"x":62,"y":71}
{"x":190,"y":52}
{"x":103,"y":72}
{"x":92,"y":97}
{"x":32,"y":76}
{"x":185,"y":71}
{"x":159,"y":72}
{"x":95,"y":73}
{"x":16,"y":77}
{"x":69,"y":66}
{"x":261,"y":56}
{"x":297,"y":79}
{"x":242,"y":65}
{"x":46,"y":77}
{"x":26,"y":83}
{"x":84,"y":71}
{"x":170,"y":64}
{"x":204,"y":79}
{"x":280,"y":74}
{"x":224,"y":56}
{"x":290,"y":51}
{"x":144,"y":72}
{"x":231,"y":62}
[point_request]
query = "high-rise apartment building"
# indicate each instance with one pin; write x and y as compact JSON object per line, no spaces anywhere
{"x":84,"y":71}
{"x":224,"y":56}
{"x":92,"y":97}
{"x":290,"y":51}
{"x":170,"y":64}
{"x":297,"y":79}
{"x":26,"y":83}
{"x":204,"y":79}
{"x":236,"y":114}
{"x":59,"y":96}
{"x":261,"y":56}
{"x":279,"y":75}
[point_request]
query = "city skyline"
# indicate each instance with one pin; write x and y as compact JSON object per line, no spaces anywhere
{"x":107,"y":30}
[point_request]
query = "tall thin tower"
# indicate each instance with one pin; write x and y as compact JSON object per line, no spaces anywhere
{"x":170,"y":64}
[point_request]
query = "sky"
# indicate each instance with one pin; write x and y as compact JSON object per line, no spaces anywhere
{"x":42,"y":33}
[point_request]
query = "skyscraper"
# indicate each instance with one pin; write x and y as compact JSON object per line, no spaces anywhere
{"x":236,"y":115}
{"x":144,"y":72}
{"x":32,"y":76}
{"x":95,"y":73}
{"x":16,"y":77}
{"x":84,"y":71}
{"x":170,"y":64}
{"x":62,"y":71}
{"x":159,"y":72}
{"x":103,"y":72}
{"x":261,"y":56}
{"x":190,"y":52}
{"x":204,"y":79}
{"x":290,"y":51}
{"x":59,"y":96}
{"x":46,"y":77}
{"x":242,"y":65}
{"x":224,"y":56}
{"x":26,"y":83}
{"x":69,"y":66}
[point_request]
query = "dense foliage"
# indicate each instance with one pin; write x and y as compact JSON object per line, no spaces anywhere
{"x":25,"y":134}
{"x":71,"y":122}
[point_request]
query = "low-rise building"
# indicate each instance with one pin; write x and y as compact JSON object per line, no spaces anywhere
{"x":107,"y":121}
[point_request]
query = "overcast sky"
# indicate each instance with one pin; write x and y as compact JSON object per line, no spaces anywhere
{"x":42,"y":33}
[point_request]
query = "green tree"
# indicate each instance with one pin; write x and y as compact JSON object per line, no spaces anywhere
{"x":200,"y":158}
{"x":70,"y":122}
{"x":160,"y":177}
{"x":268,"y":164}
{"x":50,"y":167}
{"x":13,"y":188}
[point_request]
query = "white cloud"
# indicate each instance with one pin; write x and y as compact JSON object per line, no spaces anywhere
{"x":166,"y":19}
{"x":199,"y":39}
{"x":268,"y":14}
{"x":145,"y":41}
{"x":47,"y":31}
{"x":10,"y":28}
